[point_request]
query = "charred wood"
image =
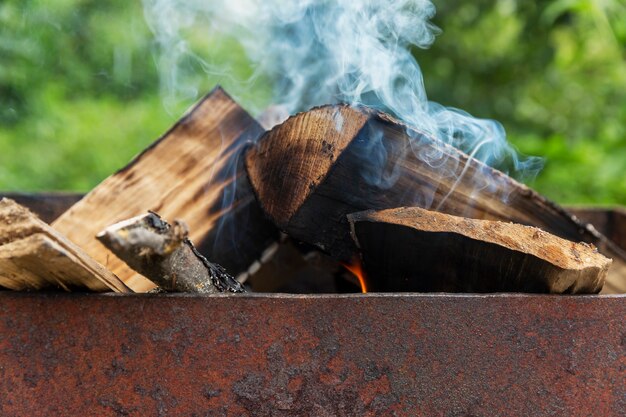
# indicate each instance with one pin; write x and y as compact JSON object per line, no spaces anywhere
{"x":318,"y":166}
{"x":194,"y":173}
{"x":411,"y":249}
{"x":164,"y":254}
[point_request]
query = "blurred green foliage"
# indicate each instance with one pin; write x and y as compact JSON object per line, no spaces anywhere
{"x":77,"y":89}
{"x":80,"y":92}
{"x":554,"y":73}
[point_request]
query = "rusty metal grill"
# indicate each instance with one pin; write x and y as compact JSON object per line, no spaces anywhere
{"x":262,"y":355}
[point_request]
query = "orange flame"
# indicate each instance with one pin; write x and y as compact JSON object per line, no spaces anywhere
{"x":357,"y":270}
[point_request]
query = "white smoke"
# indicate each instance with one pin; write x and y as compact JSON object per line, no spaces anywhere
{"x":318,"y":52}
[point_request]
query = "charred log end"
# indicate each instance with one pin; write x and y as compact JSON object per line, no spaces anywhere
{"x":165,"y":255}
{"x":290,"y":161}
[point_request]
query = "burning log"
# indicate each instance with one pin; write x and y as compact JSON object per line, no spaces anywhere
{"x":193,"y":173}
{"x":311,"y":171}
{"x":165,"y":255}
{"x":35,"y":256}
{"x":411,"y":249}
{"x":300,"y":269}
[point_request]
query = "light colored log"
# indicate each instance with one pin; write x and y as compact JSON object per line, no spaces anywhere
{"x":35,"y":256}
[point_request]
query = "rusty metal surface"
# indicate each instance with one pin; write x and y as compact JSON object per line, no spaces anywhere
{"x":260,"y":355}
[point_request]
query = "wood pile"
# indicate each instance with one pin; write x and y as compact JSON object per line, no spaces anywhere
{"x":191,"y":173}
{"x":347,"y":182}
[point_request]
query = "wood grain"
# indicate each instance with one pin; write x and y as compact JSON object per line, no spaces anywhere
{"x":611,"y":222}
{"x":33,"y":255}
{"x":412,"y":249}
{"x":292,"y":160}
{"x":308,"y":175}
{"x":193,"y":173}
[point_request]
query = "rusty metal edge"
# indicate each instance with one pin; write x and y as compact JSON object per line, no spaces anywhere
{"x":322,"y":355}
{"x":552,"y":298}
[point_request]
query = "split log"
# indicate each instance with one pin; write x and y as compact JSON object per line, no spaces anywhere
{"x":165,"y":255}
{"x":411,"y":249}
{"x":311,"y":171}
{"x":35,"y":256}
{"x":193,"y":173}
{"x":37,"y":262}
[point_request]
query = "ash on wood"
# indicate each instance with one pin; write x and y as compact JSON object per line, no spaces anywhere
{"x":166,"y":256}
{"x":411,"y":249}
{"x":318,"y":166}
{"x":193,"y":173}
{"x":35,"y":256}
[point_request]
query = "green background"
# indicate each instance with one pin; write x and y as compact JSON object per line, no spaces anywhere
{"x":80,"y":94}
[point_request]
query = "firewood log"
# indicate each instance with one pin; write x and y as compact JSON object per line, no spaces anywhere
{"x":412,"y":249}
{"x":193,"y":173}
{"x":35,"y":256}
{"x":164,"y":254}
{"x":312,"y":170}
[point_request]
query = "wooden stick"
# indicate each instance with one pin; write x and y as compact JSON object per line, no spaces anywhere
{"x":194,"y":173}
{"x":165,"y":255}
{"x":411,"y":249}
{"x":35,"y":256}
{"x":311,"y":171}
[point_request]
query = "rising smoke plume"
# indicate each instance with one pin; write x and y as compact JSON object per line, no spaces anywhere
{"x":318,"y":52}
